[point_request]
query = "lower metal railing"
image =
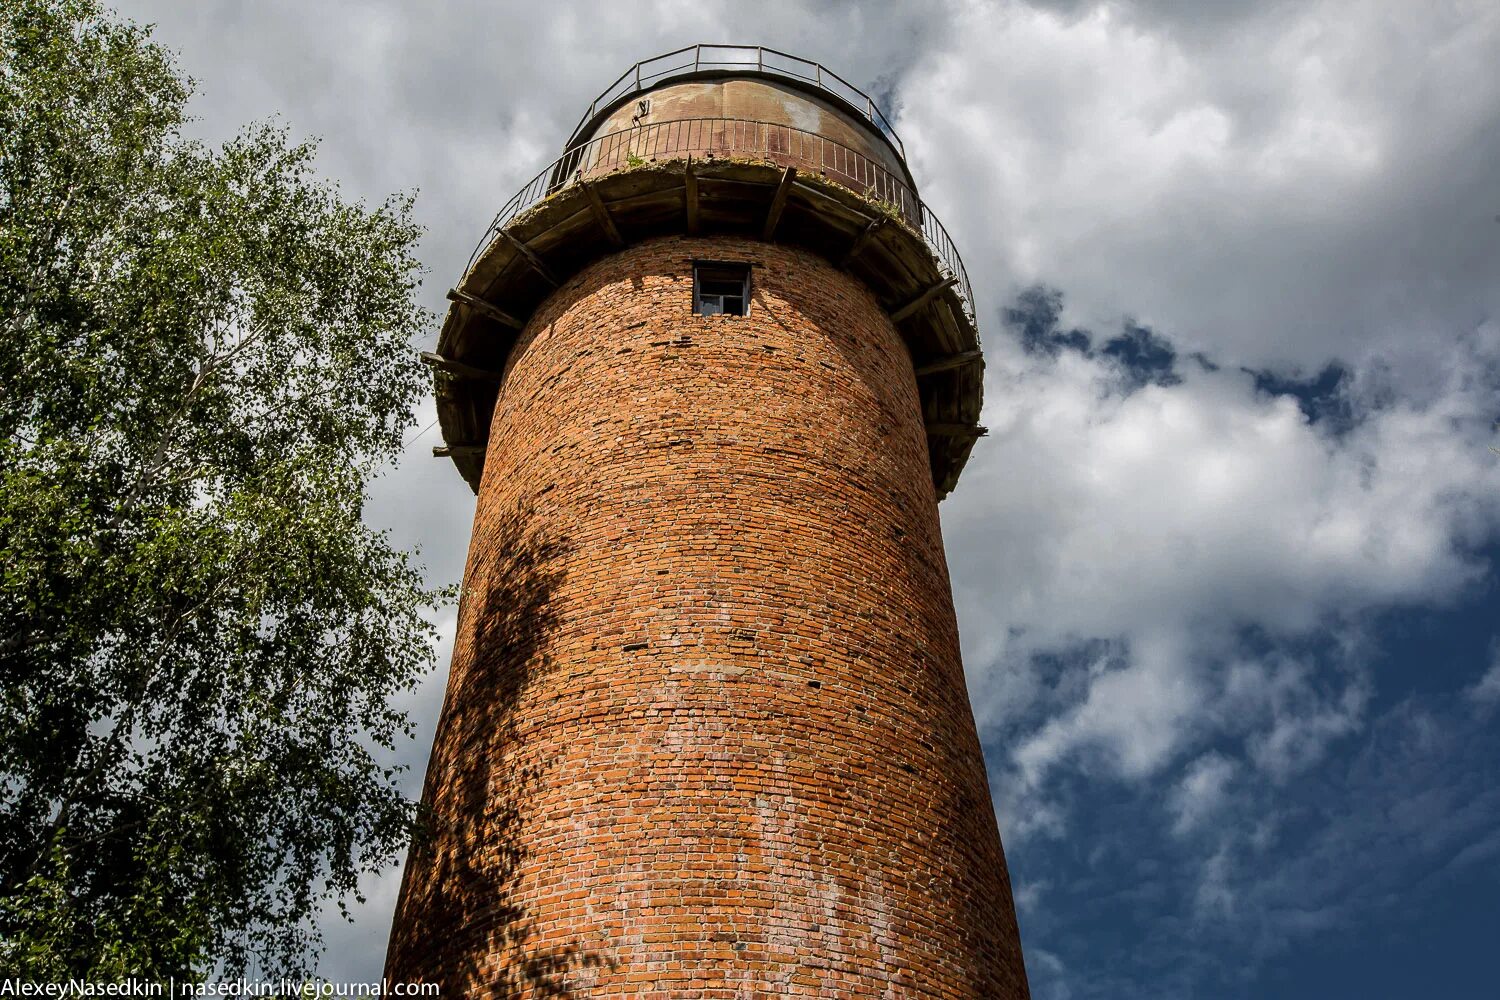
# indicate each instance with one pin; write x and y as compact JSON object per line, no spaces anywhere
{"x":735,"y":137}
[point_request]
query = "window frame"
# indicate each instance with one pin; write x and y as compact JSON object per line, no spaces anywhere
{"x":710,"y":265}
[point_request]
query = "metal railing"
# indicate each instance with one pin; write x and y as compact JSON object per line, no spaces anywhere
{"x":734,"y":137}
{"x":702,"y":58}
{"x":727,"y":137}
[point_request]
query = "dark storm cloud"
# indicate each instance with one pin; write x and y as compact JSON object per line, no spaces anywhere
{"x":1141,"y":357}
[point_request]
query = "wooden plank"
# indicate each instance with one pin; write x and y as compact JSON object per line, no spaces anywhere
{"x":863,"y":240}
{"x":953,"y":332}
{"x":482,"y":307}
{"x":921,"y":300}
{"x":949,"y":363}
{"x":628,"y":207}
{"x":601,"y":214}
{"x":957,"y":430}
{"x":835,"y":203}
{"x":581,"y":224}
{"x":458,"y":369}
{"x":531,"y":258}
{"x":738,"y":186}
{"x":778,"y":203}
{"x":690,"y":197}
{"x":458,"y":450}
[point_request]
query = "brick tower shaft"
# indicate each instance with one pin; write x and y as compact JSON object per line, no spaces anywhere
{"x":706,"y":731}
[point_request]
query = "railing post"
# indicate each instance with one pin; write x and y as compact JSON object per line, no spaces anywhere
{"x":760,"y":59}
{"x":697,"y":55}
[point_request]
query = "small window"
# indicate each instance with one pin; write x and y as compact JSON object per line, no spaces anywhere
{"x":721,"y":289}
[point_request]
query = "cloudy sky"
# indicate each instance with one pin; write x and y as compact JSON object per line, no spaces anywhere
{"x":1225,"y":566}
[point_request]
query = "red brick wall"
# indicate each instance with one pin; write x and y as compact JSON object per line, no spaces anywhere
{"x":706,"y":732}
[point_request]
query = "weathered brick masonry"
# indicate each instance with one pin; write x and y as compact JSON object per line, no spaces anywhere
{"x":706,"y":731}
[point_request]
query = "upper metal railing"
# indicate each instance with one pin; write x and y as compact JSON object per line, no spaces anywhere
{"x":735,"y":137}
{"x":701,"y":58}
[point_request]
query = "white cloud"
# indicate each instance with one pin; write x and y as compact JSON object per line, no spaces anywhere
{"x":1216,"y":895}
{"x":1172,"y":518}
{"x":1485,"y":692}
{"x":1303,"y":724}
{"x":1201,"y":792}
{"x":1210,"y":502}
{"x":1134,"y":715}
{"x":1028,"y":894}
{"x":1047,"y":967}
{"x":1413,"y":810}
{"x":1315,"y":180}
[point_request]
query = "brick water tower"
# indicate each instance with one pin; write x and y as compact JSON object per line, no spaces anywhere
{"x":706,"y":731}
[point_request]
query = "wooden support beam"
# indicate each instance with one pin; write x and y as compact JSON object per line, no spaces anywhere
{"x":863,"y":240}
{"x":921,"y":300}
{"x":957,"y":430}
{"x":949,"y":363}
{"x":690,"y":197}
{"x":531,"y":258}
{"x":458,"y":369}
{"x":482,"y":307}
{"x":778,"y":203}
{"x":601,"y":214}
{"x":458,"y":450}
